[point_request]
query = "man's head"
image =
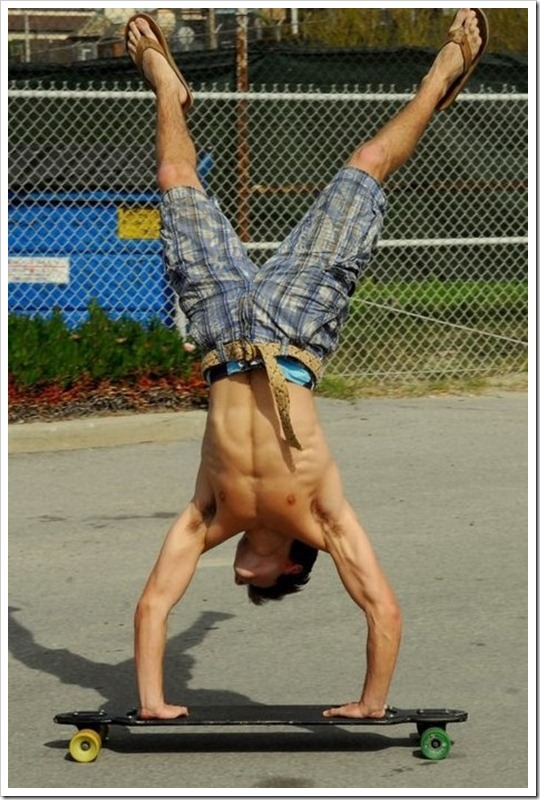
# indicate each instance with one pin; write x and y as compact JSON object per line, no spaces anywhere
{"x":272,"y":577}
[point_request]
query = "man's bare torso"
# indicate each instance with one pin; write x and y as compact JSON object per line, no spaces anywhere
{"x":250,"y":479}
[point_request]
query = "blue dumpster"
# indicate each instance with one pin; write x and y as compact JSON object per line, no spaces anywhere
{"x":67,"y":249}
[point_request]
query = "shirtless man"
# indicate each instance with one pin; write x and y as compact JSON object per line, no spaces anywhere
{"x":266,"y":471}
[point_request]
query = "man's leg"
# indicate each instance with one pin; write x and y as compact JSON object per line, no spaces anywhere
{"x":205,"y":261}
{"x":395,"y":143}
{"x":175,"y":153}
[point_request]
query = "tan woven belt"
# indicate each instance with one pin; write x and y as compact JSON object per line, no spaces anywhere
{"x":267,"y":352}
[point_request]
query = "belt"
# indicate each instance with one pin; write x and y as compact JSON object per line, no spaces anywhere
{"x":267,"y":352}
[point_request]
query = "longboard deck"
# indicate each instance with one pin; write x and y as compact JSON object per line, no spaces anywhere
{"x":262,"y":715}
{"x":92,"y":726}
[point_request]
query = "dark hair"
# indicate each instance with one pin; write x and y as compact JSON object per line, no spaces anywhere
{"x":300,"y":553}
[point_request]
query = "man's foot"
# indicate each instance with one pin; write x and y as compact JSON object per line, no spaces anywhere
{"x":147,"y":47}
{"x":467,"y":40}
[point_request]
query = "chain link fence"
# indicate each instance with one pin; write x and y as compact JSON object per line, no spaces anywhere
{"x":444,"y":296}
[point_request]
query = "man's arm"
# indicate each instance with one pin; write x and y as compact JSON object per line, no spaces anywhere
{"x":166,"y":585}
{"x":364,"y":580}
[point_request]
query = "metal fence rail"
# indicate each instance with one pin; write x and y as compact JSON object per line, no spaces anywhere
{"x":445,"y":294}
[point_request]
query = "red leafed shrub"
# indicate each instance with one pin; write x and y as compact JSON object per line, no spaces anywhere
{"x":86,"y":397}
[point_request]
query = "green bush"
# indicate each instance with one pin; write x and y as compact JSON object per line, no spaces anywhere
{"x":44,"y":351}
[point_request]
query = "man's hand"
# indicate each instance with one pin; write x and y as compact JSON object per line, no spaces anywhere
{"x":165,"y":712}
{"x":355,"y":711}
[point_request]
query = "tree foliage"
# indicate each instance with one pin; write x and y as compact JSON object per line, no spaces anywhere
{"x":407,"y":27}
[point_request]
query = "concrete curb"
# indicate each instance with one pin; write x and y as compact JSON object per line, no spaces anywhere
{"x":90,"y":432}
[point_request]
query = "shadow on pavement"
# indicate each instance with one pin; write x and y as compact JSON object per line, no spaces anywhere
{"x":315,"y":739}
{"x":116,"y":682}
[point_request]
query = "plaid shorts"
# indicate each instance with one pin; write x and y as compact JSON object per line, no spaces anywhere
{"x":300,"y":296}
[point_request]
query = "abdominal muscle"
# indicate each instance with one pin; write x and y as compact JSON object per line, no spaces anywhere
{"x":249,"y":473}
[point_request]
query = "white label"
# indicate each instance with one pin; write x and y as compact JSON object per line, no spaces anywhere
{"x":38,"y":269}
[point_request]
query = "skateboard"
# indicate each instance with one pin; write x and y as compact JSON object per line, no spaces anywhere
{"x":93,"y":726}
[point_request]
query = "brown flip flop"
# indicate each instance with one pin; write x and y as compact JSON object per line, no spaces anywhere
{"x":160,"y":46}
{"x":458,"y":36}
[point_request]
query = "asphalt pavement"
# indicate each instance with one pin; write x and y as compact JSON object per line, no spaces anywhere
{"x":440,"y":483}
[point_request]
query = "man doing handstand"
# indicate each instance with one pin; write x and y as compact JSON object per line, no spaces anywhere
{"x":266,"y":471}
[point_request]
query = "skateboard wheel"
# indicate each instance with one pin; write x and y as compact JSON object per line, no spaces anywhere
{"x":85,"y":746}
{"x":435,"y":744}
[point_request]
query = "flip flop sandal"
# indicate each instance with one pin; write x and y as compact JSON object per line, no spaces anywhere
{"x":459,"y":37}
{"x":161,"y":46}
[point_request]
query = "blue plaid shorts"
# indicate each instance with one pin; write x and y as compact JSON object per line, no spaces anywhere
{"x":300,"y":296}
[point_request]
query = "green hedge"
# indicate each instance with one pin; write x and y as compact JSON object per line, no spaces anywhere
{"x":43,"y":351}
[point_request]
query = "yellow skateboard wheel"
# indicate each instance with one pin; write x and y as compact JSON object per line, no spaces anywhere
{"x":85,"y":746}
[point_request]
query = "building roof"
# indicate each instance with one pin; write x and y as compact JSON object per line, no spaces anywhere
{"x":39,"y":22}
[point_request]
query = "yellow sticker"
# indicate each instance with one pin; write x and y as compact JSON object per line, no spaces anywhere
{"x":139,"y":223}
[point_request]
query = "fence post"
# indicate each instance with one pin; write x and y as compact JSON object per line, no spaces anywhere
{"x":211,"y":29}
{"x":242,"y":84}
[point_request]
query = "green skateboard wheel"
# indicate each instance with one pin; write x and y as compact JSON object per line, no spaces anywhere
{"x":435,"y":744}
